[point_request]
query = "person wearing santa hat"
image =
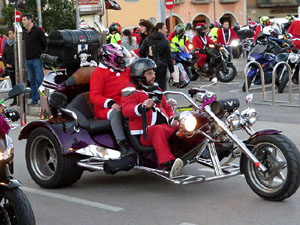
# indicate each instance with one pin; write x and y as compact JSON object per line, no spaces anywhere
{"x":199,"y":42}
{"x":226,"y":35}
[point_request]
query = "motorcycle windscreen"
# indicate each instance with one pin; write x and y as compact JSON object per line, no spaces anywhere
{"x":258,"y":49}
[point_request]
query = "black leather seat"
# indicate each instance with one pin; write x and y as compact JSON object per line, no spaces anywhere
{"x":84,"y":110}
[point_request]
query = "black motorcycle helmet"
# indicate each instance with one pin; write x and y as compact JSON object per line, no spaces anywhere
{"x":139,"y":67}
{"x":200,"y":29}
{"x":113,"y":28}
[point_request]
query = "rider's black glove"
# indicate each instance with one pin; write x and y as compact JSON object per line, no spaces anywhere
{"x":12,"y":114}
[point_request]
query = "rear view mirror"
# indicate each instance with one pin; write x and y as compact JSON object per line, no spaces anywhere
{"x":57,"y":100}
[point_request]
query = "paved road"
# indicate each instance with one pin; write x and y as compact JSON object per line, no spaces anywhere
{"x":137,"y":198}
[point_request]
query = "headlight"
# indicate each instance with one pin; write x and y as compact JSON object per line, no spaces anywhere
{"x":233,"y":120}
{"x":250,"y":115}
{"x":250,"y":58}
{"x":191,"y":46}
{"x":211,"y":46}
{"x":235,"y":43}
{"x":293,"y":57}
{"x":189,"y":122}
{"x":280,"y":36}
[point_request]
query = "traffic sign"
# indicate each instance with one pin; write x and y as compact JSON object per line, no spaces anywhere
{"x":170,"y":4}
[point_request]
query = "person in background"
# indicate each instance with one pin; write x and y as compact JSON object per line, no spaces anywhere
{"x":200,"y":41}
{"x":189,"y":31}
{"x":8,"y":58}
{"x":145,"y":29}
{"x":114,"y":36}
{"x":226,"y":35}
{"x":287,"y":25}
{"x":157,"y":47}
{"x":213,"y":34}
{"x":136,"y":33}
{"x":35,"y":44}
{"x":294,"y":30}
{"x":128,"y":41}
{"x":264,"y":21}
{"x":178,"y":37}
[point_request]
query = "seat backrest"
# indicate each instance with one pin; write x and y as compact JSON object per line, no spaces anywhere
{"x":83,"y":108}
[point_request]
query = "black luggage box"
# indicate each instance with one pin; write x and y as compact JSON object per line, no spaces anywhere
{"x":68,"y":44}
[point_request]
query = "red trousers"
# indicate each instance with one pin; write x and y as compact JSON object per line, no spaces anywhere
{"x":201,"y":59}
{"x":158,"y":136}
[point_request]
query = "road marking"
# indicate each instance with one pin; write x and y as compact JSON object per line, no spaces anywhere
{"x":72,"y":199}
{"x":188,"y":223}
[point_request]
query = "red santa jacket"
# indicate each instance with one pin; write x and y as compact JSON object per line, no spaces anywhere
{"x":294,"y":29}
{"x":199,"y":42}
{"x":130,"y":106}
{"x":258,"y":29}
{"x":221,"y":37}
{"x":105,"y":89}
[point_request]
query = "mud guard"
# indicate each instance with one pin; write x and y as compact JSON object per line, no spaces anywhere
{"x":256,"y":134}
{"x":11,"y":184}
{"x":68,"y":139}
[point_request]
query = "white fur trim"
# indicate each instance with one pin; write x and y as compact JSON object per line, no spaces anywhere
{"x":106,"y":102}
{"x":136,"y":132}
{"x":137,"y":111}
{"x":108,"y":113}
{"x":102,"y":66}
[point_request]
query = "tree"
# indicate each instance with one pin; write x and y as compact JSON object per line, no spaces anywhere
{"x":56,"y":14}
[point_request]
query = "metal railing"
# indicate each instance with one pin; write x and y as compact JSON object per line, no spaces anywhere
{"x":274,"y":74}
{"x":246,"y":69}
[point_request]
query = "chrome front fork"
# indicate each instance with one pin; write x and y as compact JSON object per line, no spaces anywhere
{"x":240,"y":143}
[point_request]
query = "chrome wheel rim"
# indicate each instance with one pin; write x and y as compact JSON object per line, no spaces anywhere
{"x":43,"y":158}
{"x":276,"y":175}
{"x":227,"y":74}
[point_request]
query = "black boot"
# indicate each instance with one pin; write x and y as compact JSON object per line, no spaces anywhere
{"x":14,"y":102}
{"x":126,"y":149}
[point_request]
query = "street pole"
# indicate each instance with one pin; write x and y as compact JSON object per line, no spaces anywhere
{"x":215,"y":19}
{"x":77,"y":15}
{"x":39,"y":12}
{"x":171,"y":20}
{"x":106,"y":12}
{"x":163,"y":11}
{"x":18,"y":54}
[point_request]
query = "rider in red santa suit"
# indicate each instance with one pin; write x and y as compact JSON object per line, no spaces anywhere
{"x":106,"y":84}
{"x":199,"y":42}
{"x":148,"y":118}
{"x":226,"y":35}
{"x":294,"y":30}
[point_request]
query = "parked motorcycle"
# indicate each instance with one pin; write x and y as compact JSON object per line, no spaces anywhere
{"x":264,"y":53}
{"x":182,"y":59}
{"x":247,"y":45}
{"x":14,"y":205}
{"x":293,"y":59}
{"x":58,"y":150}
{"x":217,"y":64}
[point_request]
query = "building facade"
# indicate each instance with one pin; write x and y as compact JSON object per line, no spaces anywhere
{"x":209,"y":11}
{"x":272,"y":8}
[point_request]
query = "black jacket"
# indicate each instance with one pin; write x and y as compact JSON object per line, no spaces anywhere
{"x":8,"y":55}
{"x":35,"y":42}
{"x":160,"y":48}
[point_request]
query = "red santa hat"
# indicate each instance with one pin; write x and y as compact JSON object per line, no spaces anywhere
{"x":200,"y":25}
